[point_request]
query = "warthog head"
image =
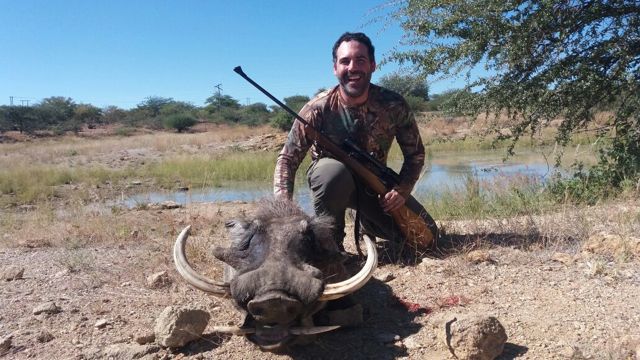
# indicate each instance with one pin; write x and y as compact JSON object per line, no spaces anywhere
{"x":279,"y":269}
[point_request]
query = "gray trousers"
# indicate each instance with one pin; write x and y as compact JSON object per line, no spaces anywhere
{"x":334,"y":189}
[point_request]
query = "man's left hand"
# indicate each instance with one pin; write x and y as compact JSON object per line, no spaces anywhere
{"x":392,"y":200}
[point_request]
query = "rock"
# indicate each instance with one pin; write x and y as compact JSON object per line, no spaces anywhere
{"x":5,"y":344}
{"x":386,"y":338}
{"x":102,"y":323}
{"x":136,"y":183}
{"x":48,"y":307}
{"x":158,"y":280}
{"x":167,"y":205}
{"x":412,"y":343}
{"x":44,"y":336}
{"x":176,"y":326}
{"x":11,"y":273}
{"x":478,"y":256}
{"x":430,"y":264}
{"x":145,"y":338}
{"x":128,"y":351}
{"x":562,"y":258}
{"x":385,"y":276}
{"x":473,"y":337}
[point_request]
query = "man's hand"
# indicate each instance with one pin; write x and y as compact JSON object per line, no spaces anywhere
{"x":392,"y":200}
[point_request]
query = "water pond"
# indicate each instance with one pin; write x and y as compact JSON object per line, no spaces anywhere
{"x":445,"y":172}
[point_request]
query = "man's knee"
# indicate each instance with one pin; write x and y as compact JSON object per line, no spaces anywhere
{"x":329,"y":179}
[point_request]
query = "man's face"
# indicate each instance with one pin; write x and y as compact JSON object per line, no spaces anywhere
{"x":353,"y":68}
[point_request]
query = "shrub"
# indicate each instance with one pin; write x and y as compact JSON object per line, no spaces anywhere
{"x":179,"y":122}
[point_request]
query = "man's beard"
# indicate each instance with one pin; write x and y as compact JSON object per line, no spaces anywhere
{"x":358,"y":88}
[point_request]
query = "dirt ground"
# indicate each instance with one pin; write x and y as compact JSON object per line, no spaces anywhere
{"x":557,"y":300}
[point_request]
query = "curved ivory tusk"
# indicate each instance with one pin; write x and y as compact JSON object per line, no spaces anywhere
{"x":346,"y":287}
{"x":234,"y":330}
{"x":189,"y":274}
{"x":312,"y":330}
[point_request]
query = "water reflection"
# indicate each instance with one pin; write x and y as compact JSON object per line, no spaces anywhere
{"x":450,"y":172}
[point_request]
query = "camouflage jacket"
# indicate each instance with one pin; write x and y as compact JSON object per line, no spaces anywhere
{"x":372,"y":126}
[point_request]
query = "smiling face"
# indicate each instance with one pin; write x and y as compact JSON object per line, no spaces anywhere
{"x":353,"y":68}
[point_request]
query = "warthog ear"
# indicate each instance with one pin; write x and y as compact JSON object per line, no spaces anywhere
{"x":240,"y":233}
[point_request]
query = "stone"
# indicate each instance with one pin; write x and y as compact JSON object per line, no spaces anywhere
{"x":5,"y":344}
{"x":386,"y":337}
{"x":563,"y":258}
{"x":385,"y":276}
{"x":11,"y":273}
{"x":167,"y":205}
{"x":473,"y":337}
{"x":102,"y":323}
{"x":159,"y":280}
{"x":478,"y":256}
{"x":48,"y":307}
{"x":177,"y":326}
{"x":144,"y":339}
{"x":44,"y":336}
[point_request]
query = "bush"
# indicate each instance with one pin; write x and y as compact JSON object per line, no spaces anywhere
{"x":179,"y":122}
{"x":282,"y":120}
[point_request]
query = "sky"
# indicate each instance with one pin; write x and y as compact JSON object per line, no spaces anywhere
{"x":114,"y":52}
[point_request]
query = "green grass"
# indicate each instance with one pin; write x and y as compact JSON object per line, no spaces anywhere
{"x":36,"y":183}
{"x":501,"y":197}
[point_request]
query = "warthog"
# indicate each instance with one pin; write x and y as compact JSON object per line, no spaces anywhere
{"x":277,"y":270}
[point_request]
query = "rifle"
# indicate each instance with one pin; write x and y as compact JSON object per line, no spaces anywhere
{"x":419,"y":229}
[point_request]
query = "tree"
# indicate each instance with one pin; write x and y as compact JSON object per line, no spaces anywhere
{"x":546,"y":59}
{"x":406,"y":85}
{"x":87,"y":114}
{"x":56,"y":110}
{"x":153,"y":104}
{"x":281,"y":119}
{"x":218,"y":101}
{"x":113,"y":114}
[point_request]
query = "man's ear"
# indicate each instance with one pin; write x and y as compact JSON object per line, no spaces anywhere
{"x":373,"y":66}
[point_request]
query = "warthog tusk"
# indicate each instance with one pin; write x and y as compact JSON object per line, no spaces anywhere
{"x":234,"y":330}
{"x":312,"y":330}
{"x":189,"y":274}
{"x":346,"y":287}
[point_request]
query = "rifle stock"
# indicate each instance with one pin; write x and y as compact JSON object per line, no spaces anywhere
{"x":419,"y":230}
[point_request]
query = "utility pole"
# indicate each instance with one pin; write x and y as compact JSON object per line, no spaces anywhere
{"x":219,"y":87}
{"x":11,"y":100}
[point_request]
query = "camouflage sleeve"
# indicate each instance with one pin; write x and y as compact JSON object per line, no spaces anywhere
{"x":410,"y":141}
{"x":290,"y":158}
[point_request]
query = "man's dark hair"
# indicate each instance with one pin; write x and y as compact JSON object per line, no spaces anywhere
{"x":359,"y":37}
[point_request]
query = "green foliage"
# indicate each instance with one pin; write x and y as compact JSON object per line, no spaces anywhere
{"x":56,"y":110}
{"x":406,"y":85}
{"x":113,"y":114}
{"x":546,"y":60}
{"x":152,"y":105}
{"x":283,"y":120}
{"x":218,"y":101}
{"x":22,"y":118}
{"x":180,"y":122}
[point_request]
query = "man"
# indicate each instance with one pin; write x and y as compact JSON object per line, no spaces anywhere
{"x":371,"y":117}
